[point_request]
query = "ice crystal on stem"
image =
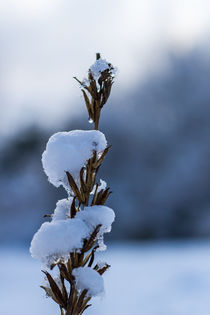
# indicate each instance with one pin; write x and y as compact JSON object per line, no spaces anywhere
{"x":75,"y":232}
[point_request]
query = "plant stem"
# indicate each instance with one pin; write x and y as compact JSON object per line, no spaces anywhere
{"x":96,"y":124}
{"x":97,"y":116}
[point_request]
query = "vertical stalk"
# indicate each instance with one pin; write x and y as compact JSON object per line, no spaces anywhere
{"x":74,"y":302}
{"x":96,"y":123}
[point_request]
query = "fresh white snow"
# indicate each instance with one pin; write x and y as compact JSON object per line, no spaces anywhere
{"x":69,"y":151}
{"x":95,"y":215}
{"x":99,"y":66}
{"x":87,"y":278}
{"x":62,"y":235}
{"x":56,"y":239}
{"x":98,"y":215}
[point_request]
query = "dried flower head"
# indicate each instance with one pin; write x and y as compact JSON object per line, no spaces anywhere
{"x":97,"y":88}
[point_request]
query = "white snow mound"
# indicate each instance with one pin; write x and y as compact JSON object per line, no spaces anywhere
{"x":89,"y":279}
{"x":99,"y":66}
{"x":69,"y":151}
{"x":57,"y":239}
{"x":95,"y":215}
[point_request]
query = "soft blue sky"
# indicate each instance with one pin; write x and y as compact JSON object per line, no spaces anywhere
{"x":44,"y":43}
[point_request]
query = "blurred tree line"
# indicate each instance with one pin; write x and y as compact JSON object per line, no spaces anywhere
{"x":159,"y":160}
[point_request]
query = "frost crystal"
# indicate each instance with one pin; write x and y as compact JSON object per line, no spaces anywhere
{"x":62,"y":210}
{"x":69,"y":151}
{"x":89,"y":279}
{"x":101,"y":264}
{"x":55,"y":240}
{"x":99,"y":66}
{"x":100,"y":187}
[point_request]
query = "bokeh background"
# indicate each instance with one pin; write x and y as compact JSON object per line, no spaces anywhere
{"x":158,"y":122}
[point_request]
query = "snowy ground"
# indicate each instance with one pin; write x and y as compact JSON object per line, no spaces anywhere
{"x":145,"y":279}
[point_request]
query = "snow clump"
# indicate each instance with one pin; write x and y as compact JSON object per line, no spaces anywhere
{"x":101,"y":264}
{"x":62,"y":210}
{"x":99,"y":66}
{"x":95,"y":215}
{"x":56,"y":239}
{"x":89,"y":279}
{"x":69,"y":151}
{"x":98,"y":215}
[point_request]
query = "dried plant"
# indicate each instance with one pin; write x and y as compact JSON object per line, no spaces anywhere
{"x":85,"y":195}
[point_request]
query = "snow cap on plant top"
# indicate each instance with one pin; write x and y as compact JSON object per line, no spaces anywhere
{"x":68,"y":152}
{"x":101,"y":65}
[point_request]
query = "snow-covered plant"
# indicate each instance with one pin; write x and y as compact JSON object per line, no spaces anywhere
{"x":67,"y":244}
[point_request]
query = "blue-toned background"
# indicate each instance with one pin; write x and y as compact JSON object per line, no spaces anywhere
{"x":157,"y":120}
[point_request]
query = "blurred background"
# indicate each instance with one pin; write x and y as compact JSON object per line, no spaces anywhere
{"x":157,"y":120}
